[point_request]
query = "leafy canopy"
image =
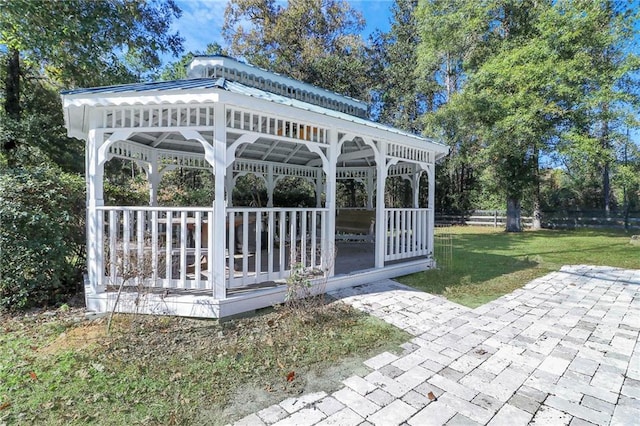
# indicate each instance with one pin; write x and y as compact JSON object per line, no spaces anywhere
{"x":89,"y":43}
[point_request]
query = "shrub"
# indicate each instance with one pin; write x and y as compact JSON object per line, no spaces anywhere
{"x":42,"y":235}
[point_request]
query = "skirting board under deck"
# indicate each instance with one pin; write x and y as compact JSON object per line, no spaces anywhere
{"x":200,"y":305}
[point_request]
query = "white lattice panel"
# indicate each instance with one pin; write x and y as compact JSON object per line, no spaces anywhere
{"x":189,"y":161}
{"x":131,"y":151}
{"x":401,"y":170}
{"x":250,"y":166}
{"x":354,"y":173}
{"x":297,"y":171}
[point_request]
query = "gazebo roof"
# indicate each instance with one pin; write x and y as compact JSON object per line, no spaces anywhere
{"x":244,"y":88}
{"x":103,"y":96}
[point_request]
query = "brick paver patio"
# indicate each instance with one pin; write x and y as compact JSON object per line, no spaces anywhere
{"x":562,"y":350}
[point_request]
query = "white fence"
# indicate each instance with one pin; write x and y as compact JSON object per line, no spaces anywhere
{"x":495,"y":218}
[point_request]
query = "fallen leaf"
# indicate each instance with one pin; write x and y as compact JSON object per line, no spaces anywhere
{"x":5,"y":405}
{"x":481,"y":352}
{"x":33,"y":375}
{"x":432,"y":396}
{"x":291,"y":376}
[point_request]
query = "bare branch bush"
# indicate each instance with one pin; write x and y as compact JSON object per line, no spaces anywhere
{"x":306,"y":285}
{"x":133,"y":270}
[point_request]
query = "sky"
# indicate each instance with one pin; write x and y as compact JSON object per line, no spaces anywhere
{"x":201,"y":20}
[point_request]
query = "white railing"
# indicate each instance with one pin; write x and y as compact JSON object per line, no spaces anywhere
{"x":165,"y":247}
{"x":407,"y":233}
{"x":266,"y":242}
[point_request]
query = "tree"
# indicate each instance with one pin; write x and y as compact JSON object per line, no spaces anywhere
{"x":451,"y":40}
{"x":315,"y":41}
{"x":80,"y":43}
{"x":537,"y":78}
{"x":598,"y":37}
{"x":402,"y":94}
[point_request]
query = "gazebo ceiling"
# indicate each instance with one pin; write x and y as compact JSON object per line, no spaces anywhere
{"x":354,"y":153}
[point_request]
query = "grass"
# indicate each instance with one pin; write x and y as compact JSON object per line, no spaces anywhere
{"x":488,"y":263}
{"x":56,"y":368}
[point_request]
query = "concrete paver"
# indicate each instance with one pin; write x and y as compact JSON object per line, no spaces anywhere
{"x":564,"y":349}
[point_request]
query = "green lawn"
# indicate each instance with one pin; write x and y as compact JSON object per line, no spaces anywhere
{"x":488,"y":263}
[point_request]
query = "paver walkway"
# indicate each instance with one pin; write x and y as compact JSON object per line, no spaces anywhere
{"x":562,"y":350}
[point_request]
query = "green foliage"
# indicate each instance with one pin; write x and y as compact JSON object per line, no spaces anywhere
{"x":251,"y":191}
{"x":294,"y":192}
{"x":41,"y":236}
{"x":401,"y":98}
{"x":184,"y":187}
{"x":39,"y":134}
{"x":89,"y":43}
{"x":520,"y":81}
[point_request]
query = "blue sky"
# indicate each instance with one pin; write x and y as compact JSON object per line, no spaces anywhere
{"x":201,"y":21}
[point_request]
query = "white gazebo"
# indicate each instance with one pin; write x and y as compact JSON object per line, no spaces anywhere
{"x":235,"y":119}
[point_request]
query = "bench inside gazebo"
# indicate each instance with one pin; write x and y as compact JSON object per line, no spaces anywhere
{"x":234,"y":119}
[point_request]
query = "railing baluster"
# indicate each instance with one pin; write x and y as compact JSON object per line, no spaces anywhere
{"x":154,"y":247}
{"x":314,"y":230}
{"x":270,"y":244}
{"x":183,"y":249}
{"x":113,"y":245}
{"x":258,"y":255}
{"x":169,"y":249}
{"x":231,"y":230}
{"x":141,"y":273}
{"x":282,"y":243}
{"x":245,"y":244}
{"x":126,"y":238}
{"x":303,"y":238}
{"x":198,"y":251}
{"x":210,"y":248}
{"x":293,"y":254}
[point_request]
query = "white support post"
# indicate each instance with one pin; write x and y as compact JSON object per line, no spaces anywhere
{"x":381,"y":225}
{"x":370,"y":187}
{"x":431,"y":174}
{"x":95,"y":175}
{"x":154,"y":177}
{"x":229,"y":184}
{"x":270,"y":186}
{"x":415,"y":184}
{"x":330,"y":170}
{"x":319,"y":187}
{"x":219,"y":206}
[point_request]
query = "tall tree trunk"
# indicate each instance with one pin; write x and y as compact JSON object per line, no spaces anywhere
{"x":606,"y":188}
{"x":537,"y":214}
{"x":513,"y":215}
{"x":12,"y":98}
{"x":604,"y":143}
